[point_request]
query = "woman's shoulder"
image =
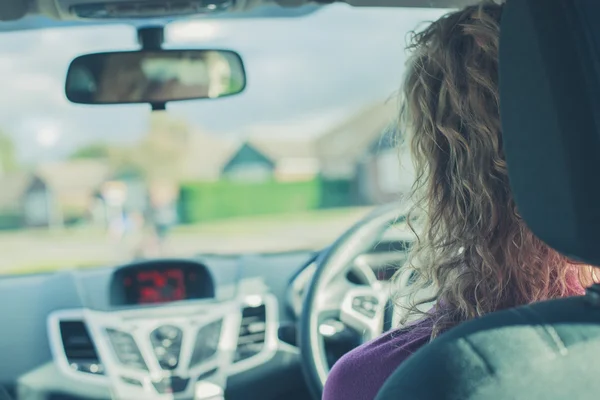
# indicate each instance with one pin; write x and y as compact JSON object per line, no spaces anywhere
{"x":360,"y":373}
{"x":393,"y":344}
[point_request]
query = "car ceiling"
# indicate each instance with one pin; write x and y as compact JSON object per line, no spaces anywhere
{"x":36,"y":14}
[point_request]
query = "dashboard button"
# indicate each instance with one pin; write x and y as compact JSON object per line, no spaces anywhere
{"x":88,"y":367}
{"x":166,"y":342}
{"x":366,"y":305}
{"x":168,"y":332}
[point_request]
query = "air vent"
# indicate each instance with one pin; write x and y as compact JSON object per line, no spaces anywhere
{"x":252,"y":333}
{"x":149,"y":9}
{"x":79,"y":348}
{"x":126,"y":349}
{"x":207,"y":343}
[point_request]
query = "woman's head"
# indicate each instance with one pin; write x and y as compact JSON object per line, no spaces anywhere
{"x":472,"y":243}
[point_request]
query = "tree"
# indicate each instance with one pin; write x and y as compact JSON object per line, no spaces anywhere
{"x":92,"y":151}
{"x":161,"y":151}
{"x":117,"y":157}
{"x":8,"y":156}
{"x":158,"y":155}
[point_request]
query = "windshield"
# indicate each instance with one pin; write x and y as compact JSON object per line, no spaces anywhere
{"x":287,"y":165}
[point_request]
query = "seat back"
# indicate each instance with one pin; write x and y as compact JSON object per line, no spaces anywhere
{"x":544,"y":351}
{"x":550,"y":108}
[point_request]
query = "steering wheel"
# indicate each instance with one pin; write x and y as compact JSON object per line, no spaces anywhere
{"x":330,"y":293}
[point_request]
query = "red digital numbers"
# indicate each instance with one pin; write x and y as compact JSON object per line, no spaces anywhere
{"x":158,"y":286}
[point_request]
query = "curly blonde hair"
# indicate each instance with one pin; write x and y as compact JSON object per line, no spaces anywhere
{"x":472,"y":245}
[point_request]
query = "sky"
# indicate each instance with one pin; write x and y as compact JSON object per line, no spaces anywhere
{"x":303,"y":76}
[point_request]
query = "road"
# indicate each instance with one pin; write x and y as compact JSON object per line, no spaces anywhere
{"x":35,"y":251}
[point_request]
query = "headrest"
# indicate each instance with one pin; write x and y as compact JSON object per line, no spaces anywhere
{"x":550,"y":107}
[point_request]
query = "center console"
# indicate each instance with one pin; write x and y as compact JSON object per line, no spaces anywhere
{"x":167,"y":337}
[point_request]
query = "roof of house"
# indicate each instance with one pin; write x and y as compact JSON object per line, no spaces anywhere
{"x":208,"y":153}
{"x":389,"y":139}
{"x":247,"y":153}
{"x":72,"y":181}
{"x":74,"y":175}
{"x":340,"y":148}
{"x":334,"y":151}
{"x":348,"y":139}
{"x":280,"y":148}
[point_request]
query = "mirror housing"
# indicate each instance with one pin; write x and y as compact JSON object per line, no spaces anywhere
{"x":154,"y":76}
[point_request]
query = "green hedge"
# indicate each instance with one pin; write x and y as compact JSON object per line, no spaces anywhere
{"x":214,"y":200}
{"x":337,"y":193}
{"x":9,"y":220}
{"x":205,"y":201}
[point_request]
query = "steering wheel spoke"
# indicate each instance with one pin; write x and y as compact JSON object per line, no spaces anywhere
{"x":363,"y":310}
{"x":331,"y":298}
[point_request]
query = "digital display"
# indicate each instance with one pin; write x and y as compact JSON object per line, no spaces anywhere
{"x":157,"y":282}
{"x":159,"y":286}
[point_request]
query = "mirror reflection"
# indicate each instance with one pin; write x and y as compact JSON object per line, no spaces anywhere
{"x":157,"y":76}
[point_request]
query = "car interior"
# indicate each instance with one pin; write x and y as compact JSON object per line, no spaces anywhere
{"x":269,"y":325}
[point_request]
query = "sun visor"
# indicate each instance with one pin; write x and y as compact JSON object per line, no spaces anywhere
{"x":550,"y":107}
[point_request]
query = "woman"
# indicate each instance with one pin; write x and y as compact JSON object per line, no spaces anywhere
{"x":473,"y":245}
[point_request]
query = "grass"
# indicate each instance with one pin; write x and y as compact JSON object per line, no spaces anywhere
{"x":63,"y":234}
{"x":266,"y":222}
{"x":53,"y":267}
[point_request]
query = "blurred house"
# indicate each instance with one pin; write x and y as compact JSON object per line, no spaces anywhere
{"x":340,"y":149}
{"x":205,"y":157}
{"x":267,"y":158}
{"x":24,"y":201}
{"x":385,"y":171}
{"x":355,"y":156}
{"x":52,"y":195}
{"x":249,"y":164}
{"x":72,"y":186}
{"x":348,"y":151}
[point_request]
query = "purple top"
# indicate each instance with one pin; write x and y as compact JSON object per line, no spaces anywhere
{"x":359,"y":374}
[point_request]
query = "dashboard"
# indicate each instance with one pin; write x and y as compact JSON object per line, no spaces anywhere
{"x":164,"y":329}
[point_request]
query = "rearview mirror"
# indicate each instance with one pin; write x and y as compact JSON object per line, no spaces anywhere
{"x":154,"y":76}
